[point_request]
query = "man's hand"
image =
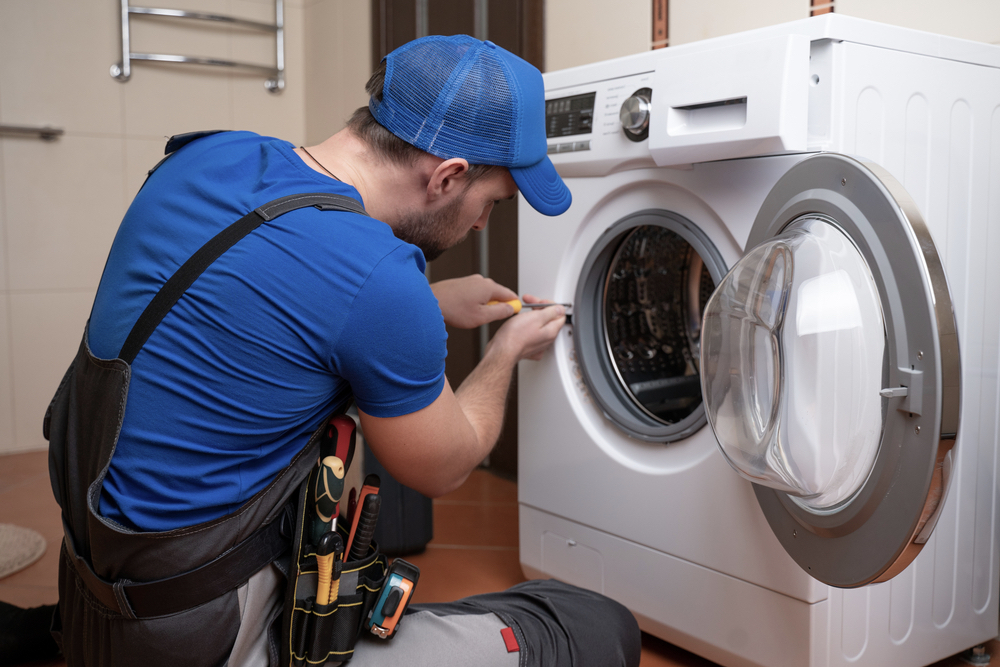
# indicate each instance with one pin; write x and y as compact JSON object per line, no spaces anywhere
{"x":463,"y":301}
{"x":528,"y":335}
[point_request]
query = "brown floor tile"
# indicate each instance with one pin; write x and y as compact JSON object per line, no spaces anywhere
{"x":17,"y":470}
{"x":992,"y":647}
{"x":26,"y":500}
{"x":33,"y":506}
{"x":483,"y":486}
{"x":449,"y":574}
{"x":658,"y":653}
{"x":468,"y":523}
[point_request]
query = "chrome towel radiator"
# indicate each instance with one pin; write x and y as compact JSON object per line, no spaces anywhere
{"x":276,"y":74}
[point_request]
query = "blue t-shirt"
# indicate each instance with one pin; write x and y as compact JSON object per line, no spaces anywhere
{"x":305,"y":311}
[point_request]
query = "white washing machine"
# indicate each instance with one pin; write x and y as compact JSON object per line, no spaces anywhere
{"x":847,"y":363}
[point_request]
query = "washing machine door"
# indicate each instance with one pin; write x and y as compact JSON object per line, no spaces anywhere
{"x":831,"y":372}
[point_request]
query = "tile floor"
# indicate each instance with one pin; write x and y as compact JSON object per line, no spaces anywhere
{"x":474,"y":548}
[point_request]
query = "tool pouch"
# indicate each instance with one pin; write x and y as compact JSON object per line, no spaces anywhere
{"x":316,"y":634}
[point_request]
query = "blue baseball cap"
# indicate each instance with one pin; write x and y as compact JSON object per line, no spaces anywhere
{"x":461,"y":97}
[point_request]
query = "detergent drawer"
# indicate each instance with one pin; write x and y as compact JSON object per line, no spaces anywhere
{"x":735,"y":101}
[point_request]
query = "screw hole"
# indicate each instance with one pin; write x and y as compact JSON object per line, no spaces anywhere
{"x":814,"y":79}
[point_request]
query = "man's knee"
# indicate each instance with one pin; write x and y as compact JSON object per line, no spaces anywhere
{"x":601,"y":632}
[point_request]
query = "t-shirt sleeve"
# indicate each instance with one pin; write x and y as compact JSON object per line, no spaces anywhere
{"x":393,"y":346}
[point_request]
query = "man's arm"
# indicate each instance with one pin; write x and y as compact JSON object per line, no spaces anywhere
{"x":433,"y":450}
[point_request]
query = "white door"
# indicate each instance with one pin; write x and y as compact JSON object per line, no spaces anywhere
{"x":830,"y":370}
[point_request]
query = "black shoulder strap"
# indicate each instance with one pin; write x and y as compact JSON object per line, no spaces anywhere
{"x":175,"y":142}
{"x":185,"y":276}
{"x":180,"y":140}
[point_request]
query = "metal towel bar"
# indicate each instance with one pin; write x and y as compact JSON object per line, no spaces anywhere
{"x":276,"y":75}
{"x":46,"y":133}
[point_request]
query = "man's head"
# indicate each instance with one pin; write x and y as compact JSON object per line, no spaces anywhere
{"x":465,"y":102}
{"x":387,"y":146}
{"x":434,"y":230}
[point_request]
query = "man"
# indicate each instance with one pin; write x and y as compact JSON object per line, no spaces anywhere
{"x":233,"y":342}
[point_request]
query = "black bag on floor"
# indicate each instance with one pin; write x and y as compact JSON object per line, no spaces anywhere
{"x":406,"y":519}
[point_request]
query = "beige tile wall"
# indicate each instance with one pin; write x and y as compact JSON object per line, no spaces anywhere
{"x":3,"y":268}
{"x":61,"y":201}
{"x":54,"y":60}
{"x":6,"y":375}
{"x":578,"y":32}
{"x":692,"y":20}
{"x":969,"y":19}
{"x":338,"y":40}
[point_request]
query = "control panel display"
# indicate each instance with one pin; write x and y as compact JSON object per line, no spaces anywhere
{"x":567,"y":116}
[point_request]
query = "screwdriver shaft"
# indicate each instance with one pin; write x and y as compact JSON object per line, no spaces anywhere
{"x":517,"y":305}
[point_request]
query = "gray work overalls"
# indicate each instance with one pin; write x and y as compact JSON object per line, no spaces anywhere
{"x":157,"y":598}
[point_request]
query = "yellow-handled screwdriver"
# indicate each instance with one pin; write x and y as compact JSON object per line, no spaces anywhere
{"x":517,"y":305}
{"x":328,"y":489}
{"x":328,"y":584}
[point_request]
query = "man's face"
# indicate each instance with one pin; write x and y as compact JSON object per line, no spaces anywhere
{"x":436,"y":231}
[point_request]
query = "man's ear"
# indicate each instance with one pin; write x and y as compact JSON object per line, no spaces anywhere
{"x":447,"y":178}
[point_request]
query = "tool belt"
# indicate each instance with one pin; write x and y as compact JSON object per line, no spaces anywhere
{"x":316,"y":633}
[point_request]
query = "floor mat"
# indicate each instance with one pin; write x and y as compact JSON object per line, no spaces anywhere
{"x":19,"y":548}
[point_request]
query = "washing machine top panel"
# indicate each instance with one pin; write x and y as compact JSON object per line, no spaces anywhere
{"x":830,"y":370}
{"x":763,"y":92}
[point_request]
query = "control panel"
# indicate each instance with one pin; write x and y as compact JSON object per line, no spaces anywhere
{"x":594,"y":129}
{"x":569,"y":115}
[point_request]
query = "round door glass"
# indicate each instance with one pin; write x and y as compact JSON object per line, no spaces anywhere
{"x":793,"y":365}
{"x":637,"y":319}
{"x":656,"y":290}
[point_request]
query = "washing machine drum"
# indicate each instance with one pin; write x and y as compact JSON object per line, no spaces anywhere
{"x":637,"y":323}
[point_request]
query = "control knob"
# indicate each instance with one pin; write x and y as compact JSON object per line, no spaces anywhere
{"x":634,"y":114}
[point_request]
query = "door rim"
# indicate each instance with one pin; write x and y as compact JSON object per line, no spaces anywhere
{"x":876,"y":534}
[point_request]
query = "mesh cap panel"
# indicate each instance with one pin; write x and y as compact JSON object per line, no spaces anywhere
{"x":451,"y":99}
{"x":480,"y":121}
{"x":460,"y":97}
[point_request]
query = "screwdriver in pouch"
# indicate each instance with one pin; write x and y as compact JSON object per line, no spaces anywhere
{"x":340,"y":440}
{"x":517,"y":305}
{"x":338,"y":566}
{"x":326,"y":563}
{"x":326,"y":493}
{"x":370,"y":486}
{"x":366,"y":526}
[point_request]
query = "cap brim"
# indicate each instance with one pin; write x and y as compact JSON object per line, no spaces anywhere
{"x":542,"y":187}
